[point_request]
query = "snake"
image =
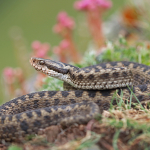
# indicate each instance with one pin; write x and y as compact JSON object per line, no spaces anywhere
{"x":88,"y":92}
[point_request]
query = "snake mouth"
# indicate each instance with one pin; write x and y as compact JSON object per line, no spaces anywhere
{"x":39,"y":65}
{"x":50,"y":68}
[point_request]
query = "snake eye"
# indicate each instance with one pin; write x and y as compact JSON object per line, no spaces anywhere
{"x":41,"y":62}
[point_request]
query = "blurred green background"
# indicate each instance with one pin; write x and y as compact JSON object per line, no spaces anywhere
{"x":35,"y":19}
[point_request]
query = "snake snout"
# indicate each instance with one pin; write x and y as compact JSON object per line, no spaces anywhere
{"x":32,"y":60}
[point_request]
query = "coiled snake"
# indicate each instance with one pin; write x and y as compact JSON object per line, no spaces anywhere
{"x":91,"y":91}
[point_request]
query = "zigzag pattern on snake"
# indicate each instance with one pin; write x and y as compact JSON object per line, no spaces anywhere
{"x":93,"y":89}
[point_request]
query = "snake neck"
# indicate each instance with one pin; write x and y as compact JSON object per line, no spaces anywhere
{"x":93,"y":77}
{"x":56,"y":69}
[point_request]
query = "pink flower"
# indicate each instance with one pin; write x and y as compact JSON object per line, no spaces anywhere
{"x":63,"y":22}
{"x":8,"y":74}
{"x":84,"y":5}
{"x":104,"y":3}
{"x":92,"y":4}
{"x":36,"y":45}
{"x":39,"y":49}
{"x":64,"y":44}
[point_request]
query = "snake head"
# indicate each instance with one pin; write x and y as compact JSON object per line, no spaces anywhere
{"x":51,"y":68}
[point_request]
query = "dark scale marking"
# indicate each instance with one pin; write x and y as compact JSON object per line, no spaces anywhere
{"x":64,"y":106}
{"x":51,"y":93}
{"x":135,"y":65}
{"x":37,"y":123}
{"x":114,"y":63}
{"x":22,"y":108}
{"x":105,"y":92}
{"x":103,"y":65}
{"x":38,"y":112}
{"x":124,"y":74}
{"x":18,"y":116}
{"x":78,"y":93}
{"x":147,"y":82}
{"x":87,"y":70}
{"x":115,"y":74}
{"x":36,"y":103}
{"x":98,"y":102}
{"x":56,"y":117}
{"x":148,"y":72}
{"x":73,"y":76}
{"x":91,"y":93}
{"x":79,"y":70}
{"x":136,"y":76}
{"x":125,"y":63}
{"x":9,"y":104}
{"x":142,"y":80}
{"x":97,"y":70}
{"x":24,"y":126}
{"x":49,"y":120}
{"x":80,"y":77}
{"x":143,"y":88}
{"x":64,"y":93}
{"x":3,"y":119}
{"x":72,"y":101}
{"x":113,"y":68}
{"x":75,"y":69}
{"x":59,"y":70}
{"x":41,"y":94}
{"x":146,"y":68}
{"x":106,"y":106}
{"x":56,"y":101}
{"x":48,"y":110}
{"x":62,"y":114}
{"x":16,"y":102}
{"x":47,"y":103}
{"x":10,"y":117}
{"x":64,"y":103}
{"x":12,"y":129}
{"x":23,"y":98}
{"x":104,"y":76}
{"x":121,"y":68}
{"x":31,"y":95}
{"x":29,"y":114}
{"x":5,"y":130}
{"x":28,"y":107}
{"x":90,"y":77}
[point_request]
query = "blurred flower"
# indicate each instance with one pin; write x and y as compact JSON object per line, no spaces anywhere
{"x":14,"y":81}
{"x":94,"y":10}
{"x":62,"y":51}
{"x":64,"y":24}
{"x":40,"y":50}
{"x":84,"y":5}
{"x":87,"y":5}
{"x":36,"y":45}
{"x":106,"y":4}
{"x":8,"y":75}
{"x":65,"y":20}
{"x":66,"y":51}
{"x":39,"y":80}
{"x":131,"y":16}
{"x":64,"y":27}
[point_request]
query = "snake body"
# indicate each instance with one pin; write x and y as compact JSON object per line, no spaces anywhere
{"x":93,"y":89}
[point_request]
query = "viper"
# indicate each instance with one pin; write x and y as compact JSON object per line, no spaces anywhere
{"x":88,"y":91}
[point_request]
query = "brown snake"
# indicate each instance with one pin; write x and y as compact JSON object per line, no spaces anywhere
{"x":25,"y":115}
